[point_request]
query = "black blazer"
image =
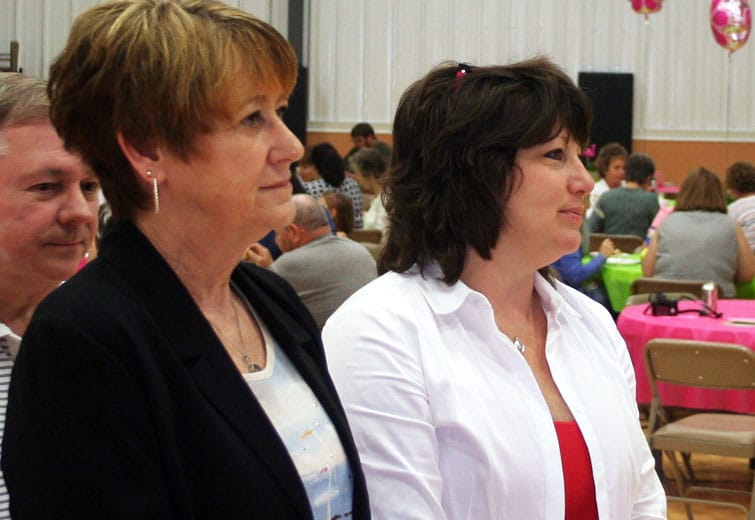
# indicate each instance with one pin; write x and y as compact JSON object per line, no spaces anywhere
{"x":124,"y":404}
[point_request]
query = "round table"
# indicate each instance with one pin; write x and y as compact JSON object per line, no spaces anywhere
{"x":638,"y":327}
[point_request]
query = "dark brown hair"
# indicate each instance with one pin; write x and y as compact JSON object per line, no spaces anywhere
{"x":607,"y":153}
{"x":328,"y":162}
{"x":369,"y":163}
{"x":456,"y":134}
{"x":740,"y":177}
{"x":344,"y":219}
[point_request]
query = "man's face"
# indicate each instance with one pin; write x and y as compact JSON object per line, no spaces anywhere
{"x":48,"y":204}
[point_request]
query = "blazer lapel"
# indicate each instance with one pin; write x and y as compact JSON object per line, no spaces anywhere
{"x":298,"y":336}
{"x":190,"y":335}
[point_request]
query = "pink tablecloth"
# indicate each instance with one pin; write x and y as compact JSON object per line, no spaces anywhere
{"x":638,"y":328}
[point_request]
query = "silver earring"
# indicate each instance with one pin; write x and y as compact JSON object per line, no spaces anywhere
{"x":155,"y":191}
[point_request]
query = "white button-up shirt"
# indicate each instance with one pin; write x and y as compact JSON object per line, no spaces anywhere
{"x":449,"y":420}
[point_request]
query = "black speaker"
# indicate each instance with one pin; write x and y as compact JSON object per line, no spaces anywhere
{"x":296,"y":115}
{"x":611,"y":95}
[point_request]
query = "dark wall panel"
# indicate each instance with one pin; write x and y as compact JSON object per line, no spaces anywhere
{"x":611,"y":95}
{"x":296,"y":114}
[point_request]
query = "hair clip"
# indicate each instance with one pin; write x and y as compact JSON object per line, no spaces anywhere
{"x":462,"y":69}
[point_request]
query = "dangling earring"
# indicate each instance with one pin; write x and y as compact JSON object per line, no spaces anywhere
{"x":155,"y":191}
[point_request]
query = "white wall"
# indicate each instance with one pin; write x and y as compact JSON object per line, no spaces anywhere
{"x":41,"y":26}
{"x":367,"y":52}
{"x":362,"y":54}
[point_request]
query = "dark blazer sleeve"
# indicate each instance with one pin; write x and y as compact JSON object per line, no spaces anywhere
{"x":79,"y":442}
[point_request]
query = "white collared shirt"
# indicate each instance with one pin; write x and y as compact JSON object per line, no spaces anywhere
{"x":449,"y":420}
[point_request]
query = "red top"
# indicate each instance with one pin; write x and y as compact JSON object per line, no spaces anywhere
{"x":578,"y":482}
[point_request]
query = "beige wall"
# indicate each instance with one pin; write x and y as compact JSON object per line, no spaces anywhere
{"x":674,"y":158}
{"x":677,"y":158}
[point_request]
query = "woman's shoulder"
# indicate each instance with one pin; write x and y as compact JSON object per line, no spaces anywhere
{"x":90,"y":293}
{"x":397,"y":294}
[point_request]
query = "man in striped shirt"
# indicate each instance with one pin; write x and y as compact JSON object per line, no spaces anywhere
{"x":48,"y":217}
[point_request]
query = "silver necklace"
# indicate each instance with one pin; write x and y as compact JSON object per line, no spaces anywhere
{"x":251,"y":366}
{"x":521,"y":347}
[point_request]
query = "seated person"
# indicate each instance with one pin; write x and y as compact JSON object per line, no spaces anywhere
{"x":370,"y":166}
{"x":263,"y":253}
{"x":341,"y":212}
{"x":717,"y":249}
{"x":740,"y":181}
{"x":628,"y":209}
{"x":611,"y":161}
{"x":363,"y":136}
{"x":322,"y":169}
{"x":574,"y":273}
{"x":323,"y":269}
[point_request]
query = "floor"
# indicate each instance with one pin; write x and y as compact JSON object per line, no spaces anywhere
{"x":735,"y":473}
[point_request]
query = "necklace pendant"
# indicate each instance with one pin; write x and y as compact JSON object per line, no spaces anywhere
{"x":251,"y":365}
{"x":521,"y":347}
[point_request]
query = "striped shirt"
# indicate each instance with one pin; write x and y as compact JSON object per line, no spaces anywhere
{"x":743,"y":211}
{"x":9,"y":343}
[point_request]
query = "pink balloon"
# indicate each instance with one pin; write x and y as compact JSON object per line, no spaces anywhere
{"x":646,"y":6}
{"x":730,"y":21}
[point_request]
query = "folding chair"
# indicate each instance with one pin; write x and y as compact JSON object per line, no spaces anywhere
{"x":627,"y":243}
{"x":9,"y":60}
{"x":636,"y":299}
{"x":648,"y":285}
{"x":707,"y":365}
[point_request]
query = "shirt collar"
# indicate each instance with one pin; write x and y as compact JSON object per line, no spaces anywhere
{"x":447,"y":299}
{"x":10,"y":338}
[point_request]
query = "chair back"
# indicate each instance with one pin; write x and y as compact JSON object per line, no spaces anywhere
{"x":637,"y":299}
{"x":668,"y":285}
{"x":627,"y":243}
{"x":366,"y":235}
{"x":9,"y":60}
{"x":705,"y":364}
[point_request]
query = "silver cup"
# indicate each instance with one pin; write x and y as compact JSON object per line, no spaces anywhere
{"x":710,"y":296}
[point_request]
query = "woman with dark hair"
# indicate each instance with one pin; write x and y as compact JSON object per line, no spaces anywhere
{"x":610,"y":162}
{"x":717,"y":250}
{"x":370,"y":166}
{"x":322,"y":170}
{"x":476,"y":385}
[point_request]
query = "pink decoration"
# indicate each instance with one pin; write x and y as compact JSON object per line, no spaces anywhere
{"x":730,"y":21}
{"x":646,"y":6}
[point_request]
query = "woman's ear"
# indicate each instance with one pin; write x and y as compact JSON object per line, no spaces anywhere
{"x":143,"y":159}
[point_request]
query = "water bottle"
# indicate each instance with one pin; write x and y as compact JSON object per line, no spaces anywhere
{"x":710,"y":297}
